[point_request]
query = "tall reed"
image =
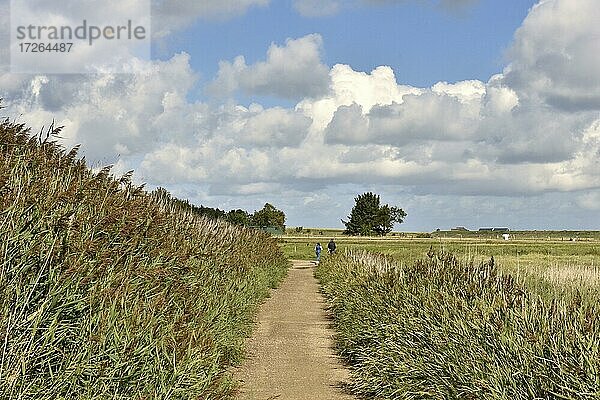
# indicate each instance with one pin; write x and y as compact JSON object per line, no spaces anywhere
{"x":107,"y":291}
{"x":441,"y":328}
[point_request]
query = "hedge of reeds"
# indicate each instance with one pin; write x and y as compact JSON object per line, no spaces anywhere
{"x":108,"y":292}
{"x":448,"y":329}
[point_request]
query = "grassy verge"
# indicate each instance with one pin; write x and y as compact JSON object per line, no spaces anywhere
{"x":447,"y":329}
{"x":107,"y":291}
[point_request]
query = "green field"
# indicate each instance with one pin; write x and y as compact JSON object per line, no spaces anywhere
{"x":551,"y":263}
{"x":513,"y":253}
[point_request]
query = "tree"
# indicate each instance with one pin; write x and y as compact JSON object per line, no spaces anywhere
{"x":269,"y":216}
{"x":368,"y":217}
{"x":185,"y":205}
{"x":238,"y":217}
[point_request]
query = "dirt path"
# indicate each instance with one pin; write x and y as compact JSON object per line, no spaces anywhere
{"x":290,"y":355}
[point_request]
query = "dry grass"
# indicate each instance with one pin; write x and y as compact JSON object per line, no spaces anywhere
{"x":576,"y":276}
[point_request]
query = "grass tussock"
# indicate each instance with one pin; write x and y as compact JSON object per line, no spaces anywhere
{"x":441,"y":328}
{"x":107,"y":291}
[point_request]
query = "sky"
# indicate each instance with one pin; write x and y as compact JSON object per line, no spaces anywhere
{"x":475,"y":113}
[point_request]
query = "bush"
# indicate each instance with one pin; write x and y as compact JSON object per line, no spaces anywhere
{"x":446,"y":329}
{"x":107,"y":291}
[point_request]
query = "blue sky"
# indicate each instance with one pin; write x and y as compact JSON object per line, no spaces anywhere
{"x":423,"y":43}
{"x":462,"y":112}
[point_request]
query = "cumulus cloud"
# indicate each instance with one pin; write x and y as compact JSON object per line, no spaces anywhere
{"x":445,"y":112}
{"x":445,"y":3}
{"x":119,"y":55}
{"x":274,"y":127}
{"x":349,"y":87}
{"x":556,"y":55}
{"x":499,"y":99}
{"x":349,"y":131}
{"x":349,"y":125}
{"x":109,"y":114}
{"x":294,"y":71}
{"x":411,"y":120}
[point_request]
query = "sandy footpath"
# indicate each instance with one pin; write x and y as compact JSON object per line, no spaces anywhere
{"x":290,"y":355}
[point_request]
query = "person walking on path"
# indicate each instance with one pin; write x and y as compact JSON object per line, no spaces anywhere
{"x":331,"y":246}
{"x":318,"y":249}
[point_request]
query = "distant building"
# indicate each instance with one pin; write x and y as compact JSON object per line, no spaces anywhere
{"x":460,"y":229}
{"x":494,"y":230}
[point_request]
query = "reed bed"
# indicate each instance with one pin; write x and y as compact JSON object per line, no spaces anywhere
{"x":441,"y":328}
{"x":110,"y":292}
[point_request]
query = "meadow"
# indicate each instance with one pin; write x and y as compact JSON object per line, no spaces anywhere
{"x":547,"y":259}
{"x":111,"y":292}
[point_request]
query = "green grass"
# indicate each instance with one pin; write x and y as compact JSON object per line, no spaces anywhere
{"x":110,"y":292}
{"x":522,"y":257}
{"x":563,"y":235}
{"x":445,"y":328}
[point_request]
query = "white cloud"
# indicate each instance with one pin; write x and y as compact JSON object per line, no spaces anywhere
{"x":465,"y":91}
{"x":428,"y":116}
{"x":556,"y":55}
{"x":274,"y":127}
{"x":110,"y":114}
{"x":349,"y":125}
{"x":349,"y":87}
{"x":406,"y":116}
{"x":351,"y":131}
{"x":294,"y":71}
{"x":499,"y":99}
{"x":120,"y":55}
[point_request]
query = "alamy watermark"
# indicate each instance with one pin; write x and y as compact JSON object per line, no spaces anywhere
{"x":83,"y":39}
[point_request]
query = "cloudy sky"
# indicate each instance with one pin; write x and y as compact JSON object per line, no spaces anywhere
{"x":462,"y":112}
